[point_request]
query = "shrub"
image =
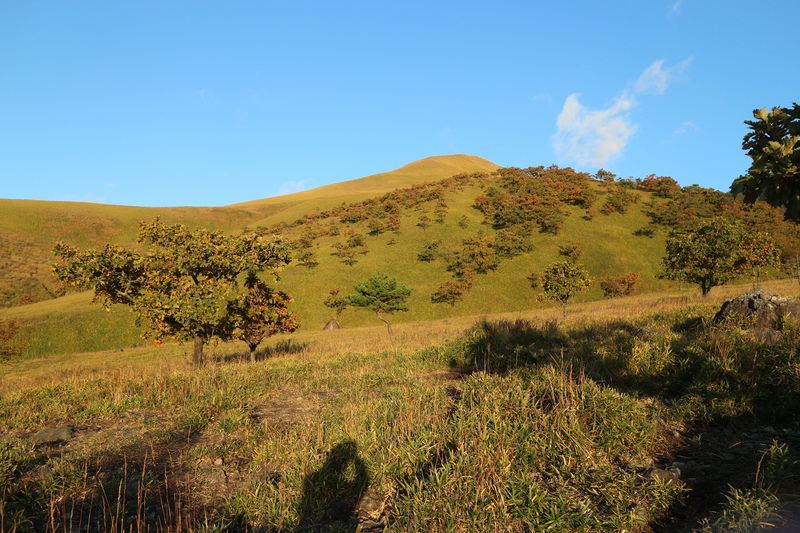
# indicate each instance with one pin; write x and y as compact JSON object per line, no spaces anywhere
{"x":624,"y":285}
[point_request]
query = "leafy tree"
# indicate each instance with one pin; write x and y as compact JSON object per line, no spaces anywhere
{"x":181,"y":287}
{"x":618,"y":201}
{"x":605,"y":176}
{"x":308,"y":258}
{"x":756,"y":253}
{"x":335,"y":301}
{"x":424,"y":222}
{"x":707,"y":255}
{"x":478,"y":254}
{"x":380,"y":294}
{"x":514,"y":240}
{"x":571,"y":250}
{"x":774,"y":146}
{"x":428,"y":252}
{"x":260,"y":313}
{"x":624,"y":285}
{"x":449,"y":292}
{"x":561,"y":281}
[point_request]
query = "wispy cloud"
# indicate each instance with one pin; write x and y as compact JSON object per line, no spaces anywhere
{"x":597,"y":137}
{"x":656,"y":78}
{"x":675,"y":7}
{"x":289,"y":187}
{"x":542,"y":97}
{"x":593,"y":137}
{"x":686,"y":127}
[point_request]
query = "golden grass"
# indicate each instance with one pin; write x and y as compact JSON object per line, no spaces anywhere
{"x":310,"y":345}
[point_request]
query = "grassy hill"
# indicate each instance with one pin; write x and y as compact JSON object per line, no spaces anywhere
{"x":607,"y":242}
{"x":494,"y":414}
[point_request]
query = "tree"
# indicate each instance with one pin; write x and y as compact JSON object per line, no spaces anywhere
{"x":260,"y":313}
{"x":624,"y":285}
{"x":561,"y":281}
{"x":756,"y":253}
{"x":449,"y":292}
{"x":335,"y":301}
{"x":380,"y":294}
{"x":774,"y":146}
{"x":181,"y":287}
{"x":706,"y":255}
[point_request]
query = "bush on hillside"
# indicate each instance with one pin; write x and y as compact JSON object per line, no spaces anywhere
{"x":624,"y":285}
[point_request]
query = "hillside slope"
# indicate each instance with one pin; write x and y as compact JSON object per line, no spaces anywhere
{"x":392,"y":230}
{"x":29,"y":228}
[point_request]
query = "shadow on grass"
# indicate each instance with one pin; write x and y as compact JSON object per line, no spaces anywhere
{"x":283,"y":347}
{"x":331,"y":494}
{"x":732,"y":394}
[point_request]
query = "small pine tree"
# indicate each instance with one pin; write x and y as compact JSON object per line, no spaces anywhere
{"x":380,"y":294}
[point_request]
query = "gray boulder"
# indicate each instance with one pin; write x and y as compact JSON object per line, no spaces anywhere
{"x":52,"y":435}
{"x":761,"y":306}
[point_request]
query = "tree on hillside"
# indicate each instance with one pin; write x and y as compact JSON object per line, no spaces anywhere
{"x":182,"y":286}
{"x":561,"y":281}
{"x":774,"y":146}
{"x":259,"y":313}
{"x":380,"y":294}
{"x":707,"y":255}
{"x":758,"y":252}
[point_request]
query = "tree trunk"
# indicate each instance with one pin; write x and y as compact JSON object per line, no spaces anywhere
{"x":388,"y":326}
{"x":253,"y":353}
{"x":197,"y":355}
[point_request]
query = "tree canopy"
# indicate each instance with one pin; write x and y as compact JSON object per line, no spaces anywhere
{"x":189,"y":283}
{"x":381,"y":294}
{"x":715,"y":252}
{"x":561,"y":281}
{"x":774,"y":146}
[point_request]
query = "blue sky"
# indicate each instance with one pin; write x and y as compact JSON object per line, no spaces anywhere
{"x":160,"y":103}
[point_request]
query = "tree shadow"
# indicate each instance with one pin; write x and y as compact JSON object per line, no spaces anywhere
{"x":284,"y":347}
{"x":331,"y":494}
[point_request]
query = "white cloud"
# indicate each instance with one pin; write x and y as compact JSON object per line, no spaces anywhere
{"x":675,"y":7}
{"x":289,"y":187}
{"x":686,"y":127}
{"x":656,"y":77}
{"x":593,"y":137}
{"x":597,"y":137}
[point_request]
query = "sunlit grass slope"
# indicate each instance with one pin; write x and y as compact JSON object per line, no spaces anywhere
{"x":293,"y":206}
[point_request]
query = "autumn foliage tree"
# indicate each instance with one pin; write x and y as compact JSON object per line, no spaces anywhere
{"x":707,"y":255}
{"x":259,"y":313}
{"x":757,"y":252}
{"x":186,"y":283}
{"x":561,"y":281}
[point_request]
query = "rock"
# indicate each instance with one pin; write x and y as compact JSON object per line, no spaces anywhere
{"x":645,"y":332}
{"x":766,"y":335}
{"x":665,"y":476}
{"x":761,"y":306}
{"x":52,"y":435}
{"x":219,"y":461}
{"x":370,"y":504}
{"x":331,"y":325}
